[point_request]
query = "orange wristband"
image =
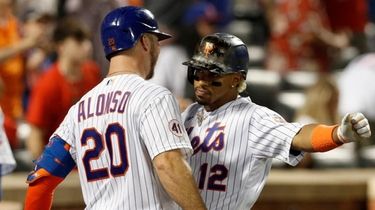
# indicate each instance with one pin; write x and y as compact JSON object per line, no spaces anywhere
{"x":322,"y":138}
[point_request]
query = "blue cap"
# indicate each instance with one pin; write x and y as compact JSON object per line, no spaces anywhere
{"x":201,"y":11}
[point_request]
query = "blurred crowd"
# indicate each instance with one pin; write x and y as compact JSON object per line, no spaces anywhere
{"x":311,"y":61}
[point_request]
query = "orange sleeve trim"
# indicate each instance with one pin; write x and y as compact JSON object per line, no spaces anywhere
{"x":40,"y":193}
{"x":67,"y":147}
{"x":322,"y":138}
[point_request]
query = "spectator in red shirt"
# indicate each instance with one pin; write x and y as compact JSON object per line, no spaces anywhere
{"x":300,"y":36}
{"x":62,"y":85}
{"x":338,"y":15}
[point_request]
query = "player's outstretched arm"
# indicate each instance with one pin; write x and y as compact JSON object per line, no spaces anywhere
{"x":176,"y":178}
{"x":321,"y":138}
{"x":51,"y":168}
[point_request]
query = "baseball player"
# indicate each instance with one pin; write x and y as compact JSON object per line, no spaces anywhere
{"x":234,"y":140}
{"x":125,"y":135}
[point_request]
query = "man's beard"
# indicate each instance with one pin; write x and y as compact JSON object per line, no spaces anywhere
{"x":201,"y":101}
{"x":154,"y":58}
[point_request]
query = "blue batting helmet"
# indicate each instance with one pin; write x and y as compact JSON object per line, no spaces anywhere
{"x":219,"y":53}
{"x":122,"y":27}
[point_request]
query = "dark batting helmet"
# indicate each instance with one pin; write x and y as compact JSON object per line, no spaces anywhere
{"x":219,"y":53}
{"x":122,"y":27}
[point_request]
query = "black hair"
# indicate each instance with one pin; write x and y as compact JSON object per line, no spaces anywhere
{"x":69,"y":28}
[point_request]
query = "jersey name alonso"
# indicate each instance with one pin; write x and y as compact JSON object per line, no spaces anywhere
{"x":115,"y":131}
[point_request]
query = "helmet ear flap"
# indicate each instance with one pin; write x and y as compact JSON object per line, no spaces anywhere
{"x":191,"y":74}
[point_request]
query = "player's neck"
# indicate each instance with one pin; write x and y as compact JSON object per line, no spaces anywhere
{"x":219,"y":103}
{"x":125,"y":65}
{"x":115,"y":73}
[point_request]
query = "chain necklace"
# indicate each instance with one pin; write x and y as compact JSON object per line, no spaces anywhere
{"x":201,"y":117}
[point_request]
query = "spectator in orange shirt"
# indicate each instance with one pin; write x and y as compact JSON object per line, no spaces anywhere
{"x":12,"y":47}
{"x":62,"y":85}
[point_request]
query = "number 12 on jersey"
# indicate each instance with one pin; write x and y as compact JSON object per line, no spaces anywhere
{"x":216,"y":173}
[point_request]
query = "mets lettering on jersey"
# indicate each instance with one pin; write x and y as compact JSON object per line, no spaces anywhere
{"x":233,"y":150}
{"x":213,"y":140}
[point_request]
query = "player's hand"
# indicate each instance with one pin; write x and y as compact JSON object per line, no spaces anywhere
{"x":353,"y":127}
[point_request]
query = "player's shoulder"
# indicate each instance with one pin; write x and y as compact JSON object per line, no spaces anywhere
{"x":262,"y":110}
{"x":192,"y":108}
{"x":239,"y":105}
{"x":142,"y":92}
{"x":154,"y":86}
{"x":149,"y":91}
{"x":191,"y":111}
{"x":244,"y":101}
{"x":93,"y":91}
{"x":262,"y":113}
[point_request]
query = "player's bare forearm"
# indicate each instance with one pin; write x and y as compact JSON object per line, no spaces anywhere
{"x":303,"y":140}
{"x":176,"y":178}
{"x":34,"y":142}
{"x":321,"y":138}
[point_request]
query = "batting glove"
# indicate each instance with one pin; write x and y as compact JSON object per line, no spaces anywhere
{"x":353,"y":127}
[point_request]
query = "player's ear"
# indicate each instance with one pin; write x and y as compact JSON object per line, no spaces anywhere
{"x":236,"y":80}
{"x":145,"y":42}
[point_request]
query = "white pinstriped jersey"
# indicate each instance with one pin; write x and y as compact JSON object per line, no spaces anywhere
{"x":7,"y":161}
{"x":233,"y":150}
{"x":115,"y":131}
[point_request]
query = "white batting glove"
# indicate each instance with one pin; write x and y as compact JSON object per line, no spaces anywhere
{"x":353,"y":127}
